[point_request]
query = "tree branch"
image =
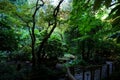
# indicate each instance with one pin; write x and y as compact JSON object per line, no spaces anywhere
{"x":55,"y":13}
{"x":33,"y":32}
{"x":114,"y":4}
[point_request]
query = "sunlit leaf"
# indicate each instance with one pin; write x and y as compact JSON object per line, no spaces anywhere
{"x":114,"y":9}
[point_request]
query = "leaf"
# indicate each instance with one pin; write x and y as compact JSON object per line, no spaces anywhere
{"x":6,"y":7}
{"x":82,"y":38}
{"x":117,"y":13}
{"x":114,"y":9}
{"x":116,"y":21}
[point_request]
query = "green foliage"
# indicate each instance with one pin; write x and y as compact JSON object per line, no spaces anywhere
{"x":115,"y":11}
{"x":22,"y":55}
{"x":3,"y":55}
{"x":98,"y":3}
{"x":87,"y":34}
{"x":8,"y":37}
{"x":55,"y":47}
{"x":8,"y":8}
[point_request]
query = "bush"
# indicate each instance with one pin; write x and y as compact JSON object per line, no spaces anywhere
{"x":22,"y":55}
{"x":45,"y":73}
{"x":9,"y":72}
{"x":8,"y":37}
{"x":3,"y":55}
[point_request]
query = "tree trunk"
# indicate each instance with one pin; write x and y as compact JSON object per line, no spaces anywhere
{"x":32,"y":33}
{"x":54,"y":24}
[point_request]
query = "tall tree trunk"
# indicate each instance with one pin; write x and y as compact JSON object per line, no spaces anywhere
{"x":54,"y":24}
{"x":33,"y":38}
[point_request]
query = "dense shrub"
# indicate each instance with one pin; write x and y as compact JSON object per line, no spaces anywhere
{"x":45,"y":73}
{"x":8,"y":71}
{"x":3,"y":55}
{"x":21,"y":55}
{"x":8,"y":37}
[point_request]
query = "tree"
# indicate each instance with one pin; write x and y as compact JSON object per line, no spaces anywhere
{"x":87,"y":31}
{"x":54,"y":24}
{"x":22,"y":14}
